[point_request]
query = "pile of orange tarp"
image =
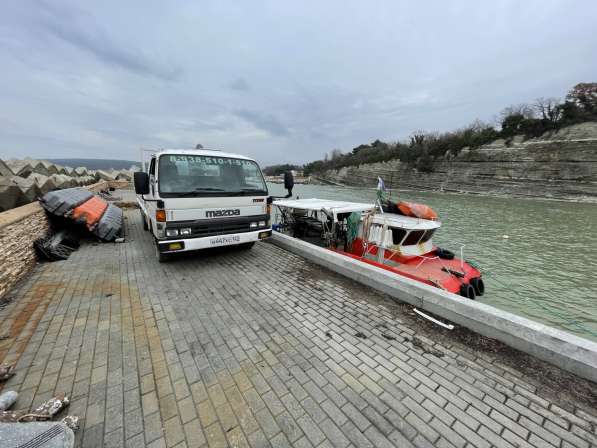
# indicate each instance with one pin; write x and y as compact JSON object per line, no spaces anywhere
{"x":90,"y":212}
{"x":101,"y":218}
{"x":417,"y":210}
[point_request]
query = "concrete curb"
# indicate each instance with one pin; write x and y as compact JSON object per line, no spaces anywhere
{"x":562,"y":349}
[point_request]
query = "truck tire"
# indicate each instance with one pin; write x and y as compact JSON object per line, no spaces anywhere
{"x":161,"y":256}
{"x":143,"y":220}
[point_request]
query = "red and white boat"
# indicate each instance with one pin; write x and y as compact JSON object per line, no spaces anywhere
{"x":395,"y":236}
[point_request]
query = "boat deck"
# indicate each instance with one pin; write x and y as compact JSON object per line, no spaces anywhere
{"x":261,"y":348}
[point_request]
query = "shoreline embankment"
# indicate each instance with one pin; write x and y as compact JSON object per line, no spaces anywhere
{"x":560,"y":166}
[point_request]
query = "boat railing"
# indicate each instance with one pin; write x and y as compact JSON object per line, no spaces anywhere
{"x":462,"y":246}
{"x":424,"y":259}
{"x":369,"y":246}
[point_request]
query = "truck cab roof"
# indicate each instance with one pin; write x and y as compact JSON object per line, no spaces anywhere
{"x":201,"y":152}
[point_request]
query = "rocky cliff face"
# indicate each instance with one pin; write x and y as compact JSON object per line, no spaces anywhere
{"x":560,"y":165}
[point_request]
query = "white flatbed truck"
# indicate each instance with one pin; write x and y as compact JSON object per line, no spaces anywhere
{"x":194,"y":199}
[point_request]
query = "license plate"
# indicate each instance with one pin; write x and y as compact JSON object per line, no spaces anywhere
{"x":224,"y":240}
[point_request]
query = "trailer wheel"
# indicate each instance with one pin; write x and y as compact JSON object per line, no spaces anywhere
{"x":143,"y":220}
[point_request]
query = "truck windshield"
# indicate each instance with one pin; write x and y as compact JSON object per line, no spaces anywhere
{"x":195,"y":175}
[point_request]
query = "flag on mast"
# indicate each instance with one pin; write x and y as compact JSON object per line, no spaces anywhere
{"x":381,"y":186}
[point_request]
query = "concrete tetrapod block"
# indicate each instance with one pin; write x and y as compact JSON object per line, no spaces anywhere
{"x":29,"y":189}
{"x":39,"y":179}
{"x":61,"y":181}
{"x":86,"y":180}
{"x":50,"y":185}
{"x":5,"y":169}
{"x":560,"y":348}
{"x":81,"y":171}
{"x":104,"y":175}
{"x":124,"y":175}
{"x":50,"y":167}
{"x":36,"y":434}
{"x":10,"y":194}
{"x":20,"y":167}
{"x":68,"y":180}
{"x":37,"y":166}
{"x":44,"y":183}
{"x":61,"y":169}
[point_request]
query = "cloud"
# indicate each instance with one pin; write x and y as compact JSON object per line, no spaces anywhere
{"x":85,"y":33}
{"x":239,"y":84}
{"x":264,"y":121}
{"x":267,"y":79}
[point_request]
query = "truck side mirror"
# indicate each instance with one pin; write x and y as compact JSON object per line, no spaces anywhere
{"x":141,"y":182}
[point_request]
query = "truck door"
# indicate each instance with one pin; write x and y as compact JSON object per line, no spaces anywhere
{"x":151,"y":205}
{"x":152,"y":186}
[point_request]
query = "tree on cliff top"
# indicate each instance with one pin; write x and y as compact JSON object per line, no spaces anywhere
{"x":584,"y":95}
{"x":423,"y":148}
{"x":549,"y":109}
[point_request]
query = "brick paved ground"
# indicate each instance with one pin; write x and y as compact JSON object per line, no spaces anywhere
{"x":258,"y":348}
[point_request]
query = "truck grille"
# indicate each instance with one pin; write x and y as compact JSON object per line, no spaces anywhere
{"x":219,"y":229}
{"x":218,"y":226}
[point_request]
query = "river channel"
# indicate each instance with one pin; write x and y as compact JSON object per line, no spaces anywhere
{"x":538,"y":258}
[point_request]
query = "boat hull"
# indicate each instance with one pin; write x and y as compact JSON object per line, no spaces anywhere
{"x":453,"y":275}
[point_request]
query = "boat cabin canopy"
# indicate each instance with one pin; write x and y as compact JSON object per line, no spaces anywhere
{"x":329,"y":207}
{"x":405,"y":222}
{"x":402,"y":230}
{"x":412,"y":236}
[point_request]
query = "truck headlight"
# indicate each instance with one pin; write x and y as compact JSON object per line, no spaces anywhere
{"x":253,"y":225}
{"x":185,"y":231}
{"x":171,"y":232}
{"x":261,"y":223}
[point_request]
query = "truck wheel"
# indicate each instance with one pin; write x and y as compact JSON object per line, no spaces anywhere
{"x":161,"y":256}
{"x":143,"y":220}
{"x":246,"y":246}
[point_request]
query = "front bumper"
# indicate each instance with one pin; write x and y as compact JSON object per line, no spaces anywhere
{"x":214,"y":241}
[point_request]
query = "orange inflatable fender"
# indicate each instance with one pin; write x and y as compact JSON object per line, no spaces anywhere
{"x":415,"y":210}
{"x":90,"y":212}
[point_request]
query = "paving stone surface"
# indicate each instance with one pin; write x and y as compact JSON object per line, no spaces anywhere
{"x":258,"y":348}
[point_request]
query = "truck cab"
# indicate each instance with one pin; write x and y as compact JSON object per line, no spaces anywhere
{"x":196,"y":199}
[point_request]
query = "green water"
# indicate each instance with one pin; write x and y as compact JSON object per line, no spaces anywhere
{"x":545,"y":270}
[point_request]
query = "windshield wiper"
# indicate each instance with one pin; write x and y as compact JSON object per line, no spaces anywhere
{"x":252,"y":190}
{"x":198,"y":191}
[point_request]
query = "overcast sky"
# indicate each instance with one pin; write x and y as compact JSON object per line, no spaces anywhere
{"x":280,"y":81}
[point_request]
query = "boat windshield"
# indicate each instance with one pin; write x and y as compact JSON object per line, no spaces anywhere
{"x":418,"y":236}
{"x":413,"y":237}
{"x":398,"y":235}
{"x":200,"y":175}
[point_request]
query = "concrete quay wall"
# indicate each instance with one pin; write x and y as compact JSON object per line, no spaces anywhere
{"x":19,"y":228}
{"x":562,"y":349}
